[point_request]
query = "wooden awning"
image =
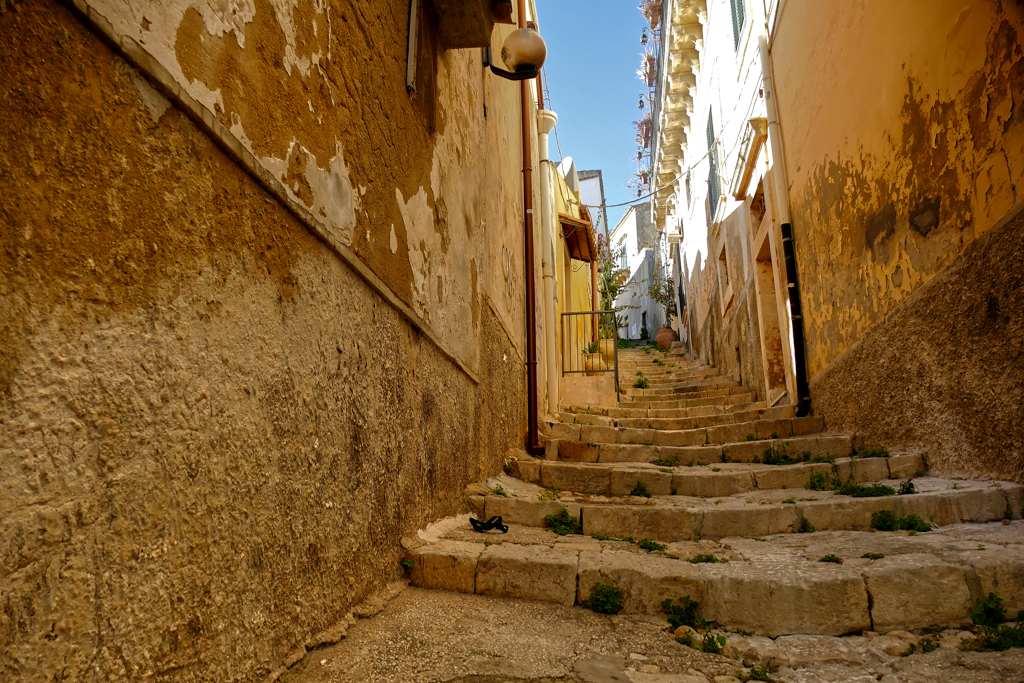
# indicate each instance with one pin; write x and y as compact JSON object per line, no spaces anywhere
{"x":579,"y":238}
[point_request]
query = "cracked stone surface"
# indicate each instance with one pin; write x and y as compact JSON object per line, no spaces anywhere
{"x":453,"y":638}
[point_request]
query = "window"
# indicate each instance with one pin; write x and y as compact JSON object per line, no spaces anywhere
{"x":623,"y":263}
{"x":739,"y":16}
{"x":713,"y":189}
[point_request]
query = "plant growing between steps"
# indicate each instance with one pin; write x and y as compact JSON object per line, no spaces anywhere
{"x":563,"y":523}
{"x":885,"y":520}
{"x":907,"y":487}
{"x":988,"y":611}
{"x":861,"y":490}
{"x":407,"y":565}
{"x":705,"y":558}
{"x":713,"y":644}
{"x":642,"y":383}
{"x":649,"y":545}
{"x":641,"y":489}
{"x":756,"y":673}
{"x":872,"y":556}
{"x":805,"y":526}
{"x":499,"y":490}
{"x":604,"y":599}
{"x":683,"y":612}
{"x":989,"y":614}
{"x":831,"y":557}
{"x":880,"y":452}
{"x":548,"y":494}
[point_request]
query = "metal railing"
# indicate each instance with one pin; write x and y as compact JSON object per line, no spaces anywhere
{"x":581,"y":330}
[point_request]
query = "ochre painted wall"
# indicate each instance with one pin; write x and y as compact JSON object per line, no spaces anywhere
{"x":213,"y":432}
{"x":903,"y":126}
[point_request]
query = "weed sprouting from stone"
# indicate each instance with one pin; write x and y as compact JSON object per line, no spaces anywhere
{"x":907,"y":487}
{"x":861,"y":490}
{"x":833,"y":558}
{"x":487,"y":544}
{"x":817,"y":482}
{"x":703,"y":558}
{"x":407,"y":565}
{"x":774,"y":455}
{"x":641,"y":489}
{"x":880,"y":452}
{"x":682,"y":612}
{"x":668,"y":462}
{"x":988,"y":611}
{"x":885,"y":520}
{"x":563,"y":523}
{"x":872,"y":556}
{"x":789,"y":501}
{"x":822,"y":457}
{"x":499,"y":490}
{"x":674,"y":491}
{"x":756,"y":673}
{"x":713,"y":644}
{"x":548,"y":494}
{"x":649,"y":545}
{"x":604,"y":599}
{"x":642,"y":383}
{"x":805,"y":526}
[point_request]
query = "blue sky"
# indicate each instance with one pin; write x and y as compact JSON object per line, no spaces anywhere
{"x":593,"y":54}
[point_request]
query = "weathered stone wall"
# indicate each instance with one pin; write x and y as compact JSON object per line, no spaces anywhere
{"x":943,"y":371}
{"x":903,"y":157}
{"x":213,"y":432}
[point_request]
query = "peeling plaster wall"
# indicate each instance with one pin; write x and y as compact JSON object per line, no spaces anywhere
{"x":899,"y":157}
{"x":214,"y":432}
{"x":904,"y":142}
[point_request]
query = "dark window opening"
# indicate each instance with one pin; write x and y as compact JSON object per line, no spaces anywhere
{"x":423,"y":89}
{"x":713,"y":188}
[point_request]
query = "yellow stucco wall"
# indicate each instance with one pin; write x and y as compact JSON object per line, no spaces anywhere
{"x":902,"y":125}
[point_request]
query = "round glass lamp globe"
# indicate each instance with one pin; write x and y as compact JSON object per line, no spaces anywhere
{"x":524,"y":48}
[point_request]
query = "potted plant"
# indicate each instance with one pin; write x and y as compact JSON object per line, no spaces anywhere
{"x":593,"y":363}
{"x":660,"y":290}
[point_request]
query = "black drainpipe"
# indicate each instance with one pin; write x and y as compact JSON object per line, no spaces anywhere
{"x":803,"y":403}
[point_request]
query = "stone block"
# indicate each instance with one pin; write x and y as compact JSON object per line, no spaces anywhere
{"x":612,"y":453}
{"x":870,"y":469}
{"x":841,"y":512}
{"x":836,"y":446}
{"x":1001,"y":571}
{"x":772,"y":429}
{"x":446,"y":565}
{"x":578,"y":477}
{"x":728,"y":433}
{"x":777,"y":599}
{"x":952,"y":506}
{"x":644,"y":581}
{"x":1014,"y":499}
{"x":916,"y":591}
{"x":525,"y":511}
{"x":528,"y":572}
{"x":591,"y":434}
{"x":561,"y":430}
{"x":754,"y":520}
{"x":747,"y":451}
{"x":528,"y":469}
{"x":636,"y":436}
{"x":789,"y":476}
{"x":800,"y":426}
{"x":905,"y":465}
{"x":703,"y":483}
{"x":679,"y":438}
{"x":577,"y":451}
{"x":625,"y":480}
{"x":666,"y":524}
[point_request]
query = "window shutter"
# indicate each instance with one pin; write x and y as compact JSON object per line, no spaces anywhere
{"x":739,"y":10}
{"x":713,"y":190}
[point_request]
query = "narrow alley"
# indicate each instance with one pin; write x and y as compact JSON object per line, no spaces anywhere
{"x":495,"y":341}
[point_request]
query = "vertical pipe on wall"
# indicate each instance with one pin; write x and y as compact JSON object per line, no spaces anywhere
{"x":789,"y":253}
{"x":546,"y":120}
{"x":533,"y":446}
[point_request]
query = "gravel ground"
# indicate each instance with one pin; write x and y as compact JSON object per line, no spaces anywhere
{"x":427,"y":635}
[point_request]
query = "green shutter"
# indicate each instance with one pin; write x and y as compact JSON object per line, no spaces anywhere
{"x":739,"y":10}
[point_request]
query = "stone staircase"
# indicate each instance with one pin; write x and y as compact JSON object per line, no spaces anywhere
{"x":765,"y":519}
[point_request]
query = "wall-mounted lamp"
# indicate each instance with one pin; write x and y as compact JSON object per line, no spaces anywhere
{"x":524,"y":51}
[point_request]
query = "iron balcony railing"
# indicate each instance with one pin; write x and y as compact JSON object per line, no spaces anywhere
{"x":582,"y":333}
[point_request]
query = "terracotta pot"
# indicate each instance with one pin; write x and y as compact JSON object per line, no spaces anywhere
{"x":608,"y":350}
{"x":594,"y":364}
{"x":665,"y":337}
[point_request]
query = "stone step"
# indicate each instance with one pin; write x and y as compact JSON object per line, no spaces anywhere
{"x":709,"y":481}
{"x":636,"y":418}
{"x":646,"y":398}
{"x":706,"y":384}
{"x":771,"y":586}
{"x":836,"y":446}
{"x":722,"y":434}
{"x":679,"y":390}
{"x":754,"y":513}
{"x":667,"y":408}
